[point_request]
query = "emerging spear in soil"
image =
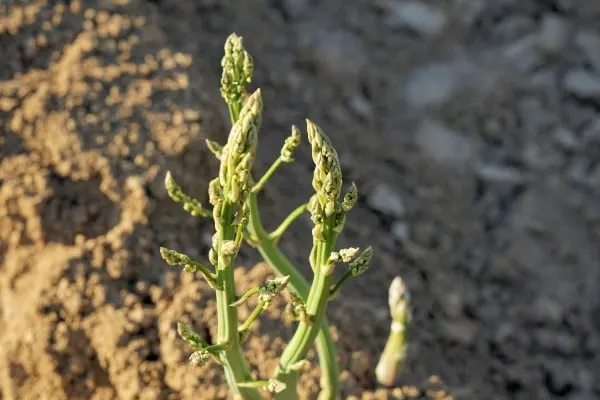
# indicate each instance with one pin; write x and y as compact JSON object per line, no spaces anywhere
{"x":392,"y":359}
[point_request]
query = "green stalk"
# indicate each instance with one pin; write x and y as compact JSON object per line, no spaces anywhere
{"x":391,"y":359}
{"x":305,"y":334}
{"x":277,"y":233}
{"x":251,"y":318}
{"x":283,"y":266}
{"x":263,"y":180}
{"x":234,"y":363}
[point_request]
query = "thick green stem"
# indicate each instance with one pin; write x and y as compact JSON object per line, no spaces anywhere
{"x":252,"y":317}
{"x":234,"y":111}
{"x":283,"y":266}
{"x":278,"y":233}
{"x":316,"y":306}
{"x":392,"y":358}
{"x":234,"y":363}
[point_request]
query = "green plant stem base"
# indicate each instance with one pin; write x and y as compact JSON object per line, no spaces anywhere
{"x":283,"y":266}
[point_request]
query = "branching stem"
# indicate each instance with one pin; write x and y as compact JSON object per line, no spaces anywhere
{"x":276,"y":235}
{"x":283,"y":266}
{"x":263,"y":180}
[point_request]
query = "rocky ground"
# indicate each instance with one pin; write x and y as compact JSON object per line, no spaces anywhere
{"x":472,"y":129}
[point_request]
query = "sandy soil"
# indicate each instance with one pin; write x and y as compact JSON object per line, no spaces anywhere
{"x":471,"y":128}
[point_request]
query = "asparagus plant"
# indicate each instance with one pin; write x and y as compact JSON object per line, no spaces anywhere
{"x":233,"y":196}
{"x":392,"y":358}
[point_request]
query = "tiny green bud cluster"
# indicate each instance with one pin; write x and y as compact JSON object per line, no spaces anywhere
{"x":203,"y":352}
{"x":190,"y":204}
{"x":290,"y":144}
{"x":271,"y":288}
{"x":361,"y":264}
{"x":187,"y":334}
{"x":214,"y":148}
{"x":239,"y":153}
{"x":275,"y":386}
{"x":344,"y":255}
{"x":237,"y":67}
{"x":173,"y":257}
{"x":296,"y":309}
{"x":350,"y":198}
{"x":200,"y":357}
{"x":327,"y":176}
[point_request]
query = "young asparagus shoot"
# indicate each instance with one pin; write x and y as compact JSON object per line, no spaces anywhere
{"x":328,"y":216}
{"x":228,"y":194}
{"x":392,"y":358}
{"x":236,"y":63}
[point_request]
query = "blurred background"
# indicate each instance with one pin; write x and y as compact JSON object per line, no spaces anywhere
{"x":471,"y":127}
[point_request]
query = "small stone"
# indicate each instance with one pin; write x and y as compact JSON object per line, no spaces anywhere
{"x":589,"y":43}
{"x":336,"y":50}
{"x":523,"y":54}
{"x":417,"y":16}
{"x":500,"y":174}
{"x":444,"y":145}
{"x":504,"y":332}
{"x":553,"y":35}
{"x":582,"y":84}
{"x":562,"y":342}
{"x":463,"y":332}
{"x":566,"y":138}
{"x":577,"y":171}
{"x":565,"y":343}
{"x":361,"y":106}
{"x":514,"y":26}
{"x":453,"y":304}
{"x":559,"y":377}
{"x":547,"y":310}
{"x":544,"y":79}
{"x":436,"y":83}
{"x":535,"y":116}
{"x":488,"y":312}
{"x":399,"y":230}
{"x":386,"y":201}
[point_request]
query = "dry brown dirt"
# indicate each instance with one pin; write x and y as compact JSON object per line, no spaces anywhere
{"x":499,"y":184}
